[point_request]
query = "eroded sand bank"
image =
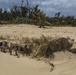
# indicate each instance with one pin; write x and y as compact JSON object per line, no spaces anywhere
{"x":65,"y":64}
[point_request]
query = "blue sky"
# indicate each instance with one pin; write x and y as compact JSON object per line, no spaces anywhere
{"x":50,"y":7}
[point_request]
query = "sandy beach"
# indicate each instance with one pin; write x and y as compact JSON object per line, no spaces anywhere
{"x":25,"y":30}
{"x":65,"y":63}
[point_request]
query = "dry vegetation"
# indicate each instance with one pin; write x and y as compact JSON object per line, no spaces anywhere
{"x":37,"y":47}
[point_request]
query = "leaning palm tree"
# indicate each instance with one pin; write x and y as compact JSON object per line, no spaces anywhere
{"x":42,"y":18}
{"x":38,"y":16}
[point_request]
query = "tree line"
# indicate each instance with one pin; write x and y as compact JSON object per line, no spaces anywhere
{"x":33,"y":15}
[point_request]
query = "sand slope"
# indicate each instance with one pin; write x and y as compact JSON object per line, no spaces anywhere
{"x":11,"y":65}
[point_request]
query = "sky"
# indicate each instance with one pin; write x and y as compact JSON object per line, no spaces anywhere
{"x":50,"y":7}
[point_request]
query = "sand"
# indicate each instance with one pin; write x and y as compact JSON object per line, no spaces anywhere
{"x":10,"y":65}
{"x":65,"y":63}
{"x":33,"y":31}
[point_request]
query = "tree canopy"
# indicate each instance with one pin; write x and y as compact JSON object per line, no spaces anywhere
{"x":33,"y":15}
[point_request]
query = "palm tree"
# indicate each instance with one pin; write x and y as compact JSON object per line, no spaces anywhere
{"x":38,"y":16}
{"x":57,"y":14}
